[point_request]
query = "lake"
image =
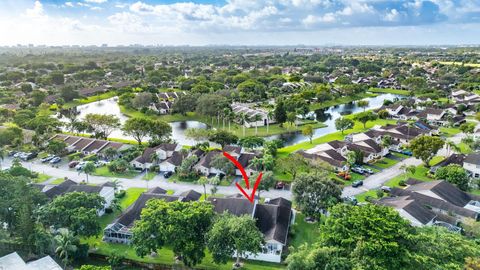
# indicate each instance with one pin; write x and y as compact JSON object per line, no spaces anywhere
{"x":329,"y":115}
{"x":110,"y":106}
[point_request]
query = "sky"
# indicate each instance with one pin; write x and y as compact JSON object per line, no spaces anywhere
{"x":240,"y":22}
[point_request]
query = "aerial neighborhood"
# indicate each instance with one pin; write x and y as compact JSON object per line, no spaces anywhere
{"x":173,"y":154}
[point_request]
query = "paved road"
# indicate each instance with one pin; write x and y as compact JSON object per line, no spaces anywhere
{"x":159,"y":181}
{"x":377,"y":180}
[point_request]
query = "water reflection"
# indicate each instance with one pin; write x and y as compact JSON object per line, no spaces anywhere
{"x":330,"y":114}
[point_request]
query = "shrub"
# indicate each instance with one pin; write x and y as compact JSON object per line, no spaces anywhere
{"x":402,"y":183}
{"x":92,"y":158}
{"x":120,"y":194}
{"x":75,"y":156}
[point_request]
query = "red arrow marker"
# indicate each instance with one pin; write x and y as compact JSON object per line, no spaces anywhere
{"x":245,"y":177}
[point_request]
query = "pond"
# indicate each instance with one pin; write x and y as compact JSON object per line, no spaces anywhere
{"x":110,"y":106}
{"x":330,"y":114}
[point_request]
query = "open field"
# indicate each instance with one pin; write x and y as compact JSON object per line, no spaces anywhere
{"x":390,"y":91}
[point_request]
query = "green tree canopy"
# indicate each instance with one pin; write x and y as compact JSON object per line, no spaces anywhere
{"x":426,"y":147}
{"x":181,"y":225}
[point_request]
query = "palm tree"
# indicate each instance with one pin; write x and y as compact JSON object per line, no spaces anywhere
{"x":243,"y":119}
{"x":65,"y":245}
{"x":203,"y":181}
{"x":231,"y":116}
{"x":257,"y":118}
{"x":269,"y":116}
{"x":88,"y":169}
{"x":2,"y":156}
{"x":116,"y":184}
{"x":226,"y":114}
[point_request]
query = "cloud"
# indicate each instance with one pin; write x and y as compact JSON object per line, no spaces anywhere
{"x":96,"y":1}
{"x":35,"y":12}
{"x":392,"y":16}
{"x":69,"y":4}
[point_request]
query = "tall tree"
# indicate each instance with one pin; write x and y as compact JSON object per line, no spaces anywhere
{"x":308,"y":132}
{"x":343,"y":124}
{"x":138,"y":128}
{"x":76,"y":211}
{"x":364,"y":117}
{"x":426,"y":147}
{"x":234,"y":236}
{"x":280,"y":112}
{"x":102,"y":124}
{"x":66,"y":247}
{"x":454,"y":174}
{"x":315,"y":192}
{"x":181,"y":225}
{"x":363,"y":104}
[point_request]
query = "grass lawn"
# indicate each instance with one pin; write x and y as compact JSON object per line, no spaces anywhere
{"x":449,"y":132}
{"x":362,"y":196}
{"x":305,"y":233}
{"x":436,"y":159}
{"x":341,"y":100}
{"x":464,"y":148}
{"x":57,"y":181}
{"x":235,"y":128}
{"x":91,"y":99}
{"x":459,"y":64}
{"x":41,"y":178}
{"x":390,"y":91}
{"x":103,"y":171}
{"x":385,"y":163}
{"x":149,"y":176}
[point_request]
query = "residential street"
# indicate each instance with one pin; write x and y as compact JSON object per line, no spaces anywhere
{"x":159,"y":181}
{"x":377,"y":180}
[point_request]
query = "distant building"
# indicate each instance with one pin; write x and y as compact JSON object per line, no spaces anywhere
{"x":13,"y":261}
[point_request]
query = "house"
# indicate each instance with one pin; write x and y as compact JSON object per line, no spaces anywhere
{"x":89,"y":146}
{"x":13,"y":261}
{"x":171,"y":164}
{"x":273,"y":219}
{"x":119,"y":231}
{"x":452,"y":159}
{"x":433,"y":203}
{"x":106,"y":191}
{"x":471,"y":163}
{"x":333,"y":158}
{"x":91,"y":91}
{"x":400,"y":112}
{"x":254,"y":117}
{"x":154,"y":155}
{"x":204,"y":164}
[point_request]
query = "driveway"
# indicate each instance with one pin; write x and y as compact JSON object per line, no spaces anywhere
{"x":377,"y":180}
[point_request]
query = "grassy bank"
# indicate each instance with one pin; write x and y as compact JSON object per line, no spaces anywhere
{"x":389,"y":91}
{"x":91,"y":99}
{"x":341,"y":100}
{"x":358,"y":127}
{"x":273,"y":129}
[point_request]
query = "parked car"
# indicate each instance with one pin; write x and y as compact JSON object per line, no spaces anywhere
{"x":407,"y":153}
{"x":55,"y":160}
{"x":386,"y":189}
{"x":12,"y":153}
{"x":72,"y":164}
{"x":47,"y":158}
{"x":351,"y":199}
{"x":368,"y":170}
{"x":359,"y":170}
{"x":167,"y":174}
{"x":28,"y":156}
{"x":80,"y":166}
{"x":280,"y":185}
{"x":357,"y":183}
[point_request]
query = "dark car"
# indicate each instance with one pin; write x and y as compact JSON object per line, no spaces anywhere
{"x":12,"y":153}
{"x":407,"y":153}
{"x":72,"y":164}
{"x":357,"y":183}
{"x":28,"y":156}
{"x":167,"y":174}
{"x":280,"y":185}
